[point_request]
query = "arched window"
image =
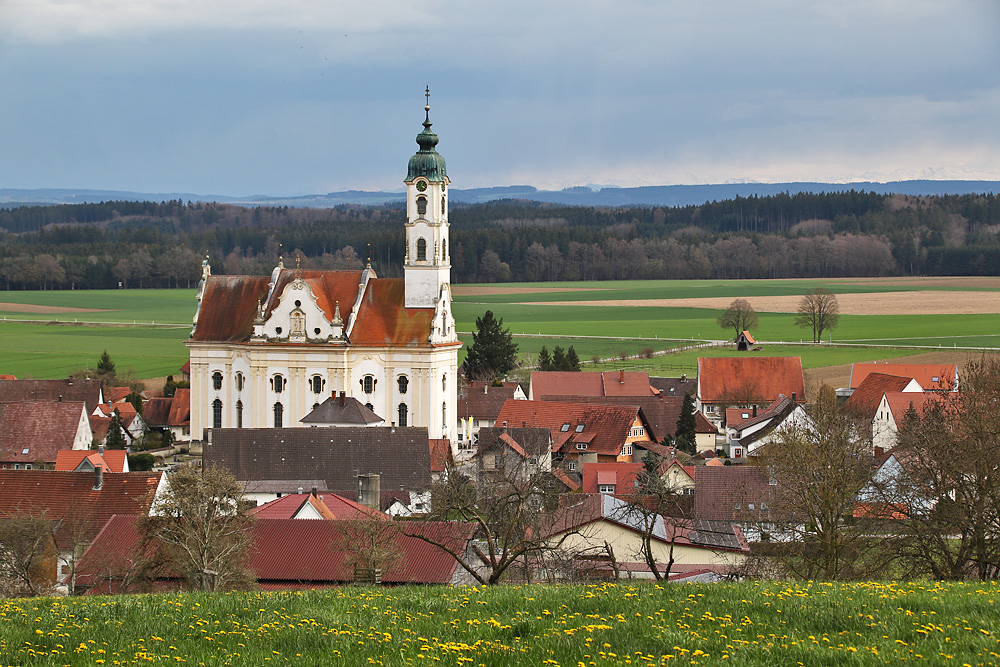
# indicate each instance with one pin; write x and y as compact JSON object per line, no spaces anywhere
{"x":368,"y":383}
{"x":403,"y":383}
{"x":279,"y":413}
{"x":444,"y":417}
{"x":421,"y":206}
{"x":421,"y":250}
{"x":444,"y":382}
{"x":403,"y":411}
{"x":239,"y":381}
{"x":317,"y":382}
{"x":277,"y":384}
{"x":442,"y":204}
{"x":370,"y":407}
{"x":217,"y":380}
{"x":239,"y":414}
{"x":216,"y":413}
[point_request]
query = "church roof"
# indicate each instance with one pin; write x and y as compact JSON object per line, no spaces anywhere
{"x":230,"y":304}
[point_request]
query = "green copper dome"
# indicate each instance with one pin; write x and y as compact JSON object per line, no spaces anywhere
{"x":427,"y":162}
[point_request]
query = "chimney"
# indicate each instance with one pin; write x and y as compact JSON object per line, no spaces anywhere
{"x":343,"y":398}
{"x":684,"y":377}
{"x":300,"y":490}
{"x":486,"y":387}
{"x":98,"y":477}
{"x":314,"y":492}
{"x":60,"y":398}
{"x":795,"y":398}
{"x":621,"y":377}
{"x":369,"y":490}
{"x":100,"y":450}
{"x":754,"y":410}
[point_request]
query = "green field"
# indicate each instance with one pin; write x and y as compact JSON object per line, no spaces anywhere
{"x":54,"y":350}
{"x":648,"y":625}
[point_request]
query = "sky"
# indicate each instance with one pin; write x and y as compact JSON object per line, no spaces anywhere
{"x":292,"y":97}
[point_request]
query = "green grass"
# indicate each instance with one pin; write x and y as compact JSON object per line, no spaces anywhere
{"x":171,"y":306}
{"x":778,"y":623}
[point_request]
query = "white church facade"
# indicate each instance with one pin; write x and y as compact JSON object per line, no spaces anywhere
{"x":266,"y":350}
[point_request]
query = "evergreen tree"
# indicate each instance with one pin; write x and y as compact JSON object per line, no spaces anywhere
{"x":572,"y":361}
{"x":559,"y":359}
{"x":115,"y":438}
{"x":136,"y":400}
{"x":686,"y":424}
{"x":493,"y":352}
{"x":544,"y":360}
{"x":106,"y":367}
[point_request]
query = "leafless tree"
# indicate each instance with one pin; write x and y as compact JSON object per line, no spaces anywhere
{"x":819,"y":311}
{"x":28,"y":556}
{"x":201,"y":529}
{"x":739,"y":316}
{"x":371,"y":542}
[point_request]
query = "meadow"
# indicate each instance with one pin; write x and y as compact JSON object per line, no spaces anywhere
{"x":41,"y":333}
{"x":647,"y":624}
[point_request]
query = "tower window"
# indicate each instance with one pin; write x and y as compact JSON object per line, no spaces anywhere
{"x":279,"y":413}
{"x":368,"y":383}
{"x":239,"y":414}
{"x":421,"y":250}
{"x":403,"y":411}
{"x":403,"y":383}
{"x":316,"y":383}
{"x":421,"y":206}
{"x":216,"y":413}
{"x":217,"y":380}
{"x":444,"y":249}
{"x":278,"y":384}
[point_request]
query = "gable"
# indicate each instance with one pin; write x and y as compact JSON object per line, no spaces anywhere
{"x":929,"y":376}
{"x":764,"y":378}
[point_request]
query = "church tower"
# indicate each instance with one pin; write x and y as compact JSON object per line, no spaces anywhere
{"x":427,"y":267}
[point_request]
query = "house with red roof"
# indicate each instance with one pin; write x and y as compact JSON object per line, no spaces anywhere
{"x":314,"y":505}
{"x":865,"y":400}
{"x":89,"y":460}
{"x":603,"y":533}
{"x":288,"y":554}
{"x":891,"y":411}
{"x":265,"y":349}
{"x":613,"y":478}
{"x":513,"y":453}
{"x":745,"y":436}
{"x":133,"y":426}
{"x":589,"y":383}
{"x":584,"y":432}
{"x":930,"y":377}
{"x":171,"y":414}
{"x":81,"y":502}
{"x":32,"y":432}
{"x":725,"y":382}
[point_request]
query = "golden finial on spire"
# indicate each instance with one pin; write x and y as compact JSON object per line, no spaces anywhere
{"x":298,"y":266}
{"x":427,"y":94}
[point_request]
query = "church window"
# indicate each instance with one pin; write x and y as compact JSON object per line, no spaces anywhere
{"x":421,"y":206}
{"x":442,"y":205}
{"x":217,"y":380}
{"x":277,"y":330}
{"x":298,"y":304}
{"x":444,"y":382}
{"x":421,"y":250}
{"x":370,"y":407}
{"x":317,"y":382}
{"x":444,"y":249}
{"x":239,"y":381}
{"x":279,"y":413}
{"x":278,"y":384}
{"x":216,"y":413}
{"x":239,"y":414}
{"x":368,"y":383}
{"x":315,"y":405}
{"x":444,"y":416}
{"x":403,"y":411}
{"x":404,"y":383}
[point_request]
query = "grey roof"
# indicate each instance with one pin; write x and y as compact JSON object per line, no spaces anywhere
{"x":341,"y":410}
{"x":337,"y":454}
{"x":283,"y":485}
{"x":674,"y":386}
{"x":85,"y":391}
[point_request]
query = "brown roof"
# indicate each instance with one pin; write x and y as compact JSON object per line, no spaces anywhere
{"x":228,"y":307}
{"x":673,"y":386}
{"x":70,"y":496}
{"x":481,"y":400}
{"x":930,"y":377}
{"x":604,"y":428}
{"x":703,"y":425}
{"x":529,"y":441}
{"x":718,"y":489}
{"x":721,"y":377}
{"x":156,"y":411}
{"x":661,"y":413}
{"x":86,"y":391}
{"x":865,"y":400}
{"x":342,"y":409}
{"x":337,"y":454}
{"x":180,"y":408}
{"x":35,"y":431}
{"x":589,"y":383}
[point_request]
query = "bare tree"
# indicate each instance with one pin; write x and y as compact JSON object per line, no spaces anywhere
{"x":739,"y":316}
{"x":371,"y":542}
{"x":28,"y":556}
{"x":818,"y":310}
{"x":201,"y":529}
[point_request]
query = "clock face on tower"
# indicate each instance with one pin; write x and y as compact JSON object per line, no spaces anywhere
{"x":421,"y":185}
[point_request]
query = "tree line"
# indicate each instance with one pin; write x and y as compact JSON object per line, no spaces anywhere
{"x":146,"y":244}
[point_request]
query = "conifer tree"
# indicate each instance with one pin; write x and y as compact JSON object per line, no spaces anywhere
{"x":558,"y":359}
{"x":493,"y":352}
{"x":572,"y":361}
{"x":686,"y":424}
{"x":544,"y":360}
{"x":115,"y":438}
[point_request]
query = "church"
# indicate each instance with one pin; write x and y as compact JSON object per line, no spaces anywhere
{"x":266,"y":350}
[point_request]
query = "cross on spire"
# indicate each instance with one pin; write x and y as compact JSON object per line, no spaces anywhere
{"x":427,"y":94}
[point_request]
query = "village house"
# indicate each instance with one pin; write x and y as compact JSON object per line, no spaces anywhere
{"x":745,"y":382}
{"x":89,"y":460}
{"x":748,"y":430}
{"x":513,"y":453}
{"x":170,"y":414}
{"x":33,"y":432}
{"x":479,"y":404}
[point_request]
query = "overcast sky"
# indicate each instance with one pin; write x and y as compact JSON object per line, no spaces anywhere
{"x":287,"y":97}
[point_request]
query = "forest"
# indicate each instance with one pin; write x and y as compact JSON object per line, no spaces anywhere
{"x":148,"y":244}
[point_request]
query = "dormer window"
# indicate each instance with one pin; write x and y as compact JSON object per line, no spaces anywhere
{"x":935,"y":379}
{"x":581,"y":445}
{"x":606,"y":488}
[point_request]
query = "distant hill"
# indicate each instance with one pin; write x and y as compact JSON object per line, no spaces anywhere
{"x":658,"y":195}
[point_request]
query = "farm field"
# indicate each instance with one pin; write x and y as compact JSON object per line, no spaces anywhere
{"x":749,"y":623}
{"x":591,"y":316}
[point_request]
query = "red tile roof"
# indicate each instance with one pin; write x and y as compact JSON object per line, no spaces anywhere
{"x":228,"y":308}
{"x":866,"y":398}
{"x":156,"y":411}
{"x":721,"y":377}
{"x":383,"y":320}
{"x":622,"y":475}
{"x":661,"y":413}
{"x":440,"y":454}
{"x":113,"y":460}
{"x":719,"y":489}
{"x":605,"y":427}
{"x":590,"y":383}
{"x":180,"y":408}
{"x":931,"y":377}
{"x":327,"y":505}
{"x":481,"y":400}
{"x":71,"y":496}
{"x":35,"y":431}
{"x":99,"y":426}
{"x":900,"y":402}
